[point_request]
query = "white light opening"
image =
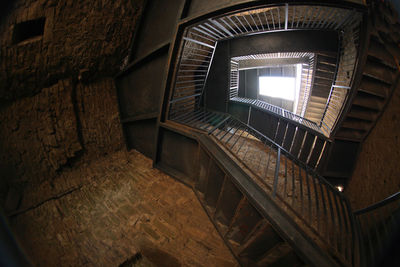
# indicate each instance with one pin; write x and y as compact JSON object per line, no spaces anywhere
{"x":279,"y":87}
{"x":340,"y":188}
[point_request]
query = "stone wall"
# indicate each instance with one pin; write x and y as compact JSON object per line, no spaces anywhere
{"x":89,"y":35}
{"x":58,"y":104}
{"x":376,"y":175}
{"x":98,"y":117}
{"x":39,"y":134}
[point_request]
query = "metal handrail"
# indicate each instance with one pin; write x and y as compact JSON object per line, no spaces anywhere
{"x":376,"y":225}
{"x":278,"y":111}
{"x":345,"y":67}
{"x":192,"y":66}
{"x":390,"y":199}
{"x":327,"y":212}
{"x":318,"y":204}
{"x":199,"y":40}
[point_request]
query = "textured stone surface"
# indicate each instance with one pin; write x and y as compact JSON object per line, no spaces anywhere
{"x":39,"y":134}
{"x":64,"y":125}
{"x":118,"y":206}
{"x":58,"y":104}
{"x":376,"y":175}
{"x":98,"y":116}
{"x":91,"y":35}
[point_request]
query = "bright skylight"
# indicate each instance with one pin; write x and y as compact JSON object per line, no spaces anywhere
{"x":279,"y":87}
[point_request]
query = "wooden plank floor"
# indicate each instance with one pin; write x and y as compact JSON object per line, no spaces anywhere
{"x":118,"y":206}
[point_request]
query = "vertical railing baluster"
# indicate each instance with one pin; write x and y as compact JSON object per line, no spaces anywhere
{"x":293,"y":184}
{"x":286,"y":15}
{"x":269,"y":158}
{"x":309,"y":198}
{"x":278,"y":161}
{"x":333,"y":223}
{"x":244,"y":141}
{"x":340,"y":234}
{"x":378,"y":241}
{"x":316,"y":203}
{"x":301,"y":191}
{"x":233,"y":134}
{"x":370,"y":246}
{"x":346,"y":221}
{"x":325,"y":211}
{"x":284,"y":192}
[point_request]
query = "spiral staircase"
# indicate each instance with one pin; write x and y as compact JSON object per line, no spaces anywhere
{"x":265,"y":176}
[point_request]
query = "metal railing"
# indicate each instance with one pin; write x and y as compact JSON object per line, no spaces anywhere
{"x":234,"y":79}
{"x":378,"y":226}
{"x":345,"y":69}
{"x":356,"y":239}
{"x":317,"y":204}
{"x":201,"y":119}
{"x":306,"y":85}
{"x":198,"y":43}
{"x":281,"y":112}
{"x":307,"y":71}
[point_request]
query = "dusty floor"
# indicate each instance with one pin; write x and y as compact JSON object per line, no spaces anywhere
{"x":105,"y":212}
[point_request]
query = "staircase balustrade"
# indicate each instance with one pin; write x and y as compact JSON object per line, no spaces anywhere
{"x":379,"y":226}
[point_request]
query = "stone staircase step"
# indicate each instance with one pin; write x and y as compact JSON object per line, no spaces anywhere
{"x":374,"y":87}
{"x":369,"y":101}
{"x":378,"y":51}
{"x":357,"y":124}
{"x":379,"y":71}
{"x":326,"y":60}
{"x":324,"y":75}
{"x":362,"y":113}
{"x":350,"y":134}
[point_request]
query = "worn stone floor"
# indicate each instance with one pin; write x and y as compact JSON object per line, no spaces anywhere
{"x":103,"y":213}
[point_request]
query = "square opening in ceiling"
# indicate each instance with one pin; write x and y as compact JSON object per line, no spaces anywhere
{"x":278,"y":87}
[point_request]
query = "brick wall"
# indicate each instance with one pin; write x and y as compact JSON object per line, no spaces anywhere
{"x":376,"y":175}
{"x":90,"y":35}
{"x":58,"y":104}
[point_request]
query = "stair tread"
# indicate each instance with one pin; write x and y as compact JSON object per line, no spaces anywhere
{"x":324,"y":74}
{"x":327,"y":54}
{"x":378,"y":50}
{"x":326,"y":67}
{"x":321,"y":90}
{"x":353,"y":123}
{"x":374,"y":87}
{"x":316,"y":105}
{"x":363,"y":113}
{"x":369,"y":101}
{"x":326,"y":60}
{"x":350,"y":134}
{"x":379,"y":71}
{"x":322,"y":81}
